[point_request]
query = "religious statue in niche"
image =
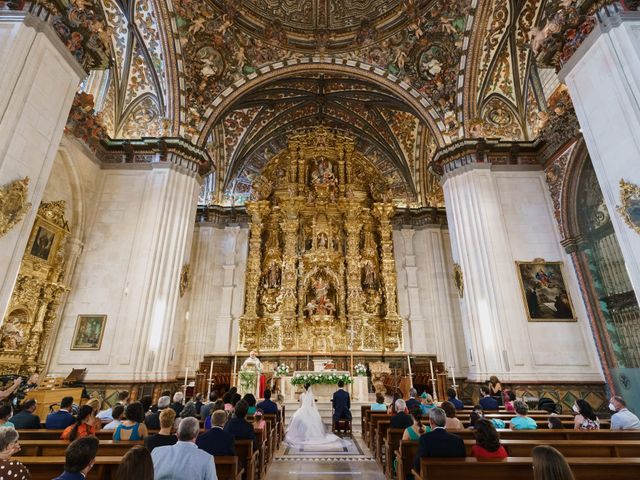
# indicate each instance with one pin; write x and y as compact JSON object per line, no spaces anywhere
{"x":13,"y":331}
{"x":323,"y":241}
{"x":273,"y":275}
{"x":368,"y":274}
{"x":320,"y":304}
{"x":323,"y":178}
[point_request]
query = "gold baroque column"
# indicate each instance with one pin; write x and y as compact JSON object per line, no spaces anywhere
{"x":289,"y":225}
{"x":352,"y":226}
{"x":393,"y":338}
{"x":258,"y":212}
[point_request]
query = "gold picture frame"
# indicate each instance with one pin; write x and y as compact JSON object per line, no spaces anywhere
{"x":47,"y":235}
{"x":544,"y":291}
{"x":629,"y":209}
{"x":89,"y":332}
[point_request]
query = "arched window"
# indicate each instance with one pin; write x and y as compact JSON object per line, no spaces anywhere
{"x":611,"y":284}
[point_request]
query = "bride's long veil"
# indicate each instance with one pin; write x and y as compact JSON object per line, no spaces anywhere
{"x":306,"y":425}
{"x":308,"y":400}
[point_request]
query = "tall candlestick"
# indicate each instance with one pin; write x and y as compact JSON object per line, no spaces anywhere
{"x":186,"y":376}
{"x":453,"y":375}
{"x":210,"y":380}
{"x":235,"y":363}
{"x":410,"y":372}
{"x":433,"y":377}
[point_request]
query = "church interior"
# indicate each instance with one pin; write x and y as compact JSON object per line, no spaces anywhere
{"x":204,"y":196}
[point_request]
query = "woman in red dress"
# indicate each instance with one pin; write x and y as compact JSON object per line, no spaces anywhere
{"x":487,"y":441}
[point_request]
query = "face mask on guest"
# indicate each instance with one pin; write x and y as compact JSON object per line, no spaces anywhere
{"x":575,"y":408}
{"x":550,"y":426}
{"x":612,"y":407}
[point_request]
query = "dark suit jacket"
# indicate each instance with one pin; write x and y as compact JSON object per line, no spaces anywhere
{"x":268,"y":407}
{"x":24,"y":420}
{"x":489,"y":403}
{"x":412,"y":403}
{"x":59,"y":420}
{"x":240,"y":429}
{"x":439,"y":443}
{"x":341,"y":405}
{"x":401,"y":420}
{"x":217,"y":442}
{"x":152,"y":421}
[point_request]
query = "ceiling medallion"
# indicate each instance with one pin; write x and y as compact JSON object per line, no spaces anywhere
{"x":630,"y":208}
{"x":13,"y":204}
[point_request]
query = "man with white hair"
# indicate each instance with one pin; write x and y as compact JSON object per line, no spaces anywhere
{"x":412,"y":402}
{"x":184,"y":459}
{"x":177,"y":404}
{"x":401,"y":419}
{"x":152,"y":421}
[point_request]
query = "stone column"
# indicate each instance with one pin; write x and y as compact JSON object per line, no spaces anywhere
{"x":393,"y":337}
{"x":603,"y":78}
{"x":248,"y":334}
{"x":38,"y":80}
{"x":289,"y":225}
{"x":417,"y":322}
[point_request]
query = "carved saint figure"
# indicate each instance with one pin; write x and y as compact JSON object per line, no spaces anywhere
{"x":320,"y":305}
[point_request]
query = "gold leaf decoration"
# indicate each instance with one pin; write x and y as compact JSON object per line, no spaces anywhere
{"x":630,"y":208}
{"x":458,"y":279}
{"x":13,"y":204}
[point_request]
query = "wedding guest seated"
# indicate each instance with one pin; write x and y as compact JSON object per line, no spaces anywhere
{"x":452,"y":396}
{"x":118,"y":415}
{"x":585,"y":419}
{"x":392,"y":405}
{"x":216,"y":441}
{"x":238,"y":426}
{"x":164,"y":437}
{"x":452,"y":423}
{"x":555,"y":423}
{"x":184,"y":459}
{"x":412,"y":402}
{"x":189,"y":410}
{"x":235,"y":398}
{"x":79,"y":458}
{"x":495,"y":389}
{"x":95,"y":404}
{"x":414,"y":431}
{"x":226,"y":398}
{"x":177,"y":405}
{"x":5,"y":413}
{"x":206,"y":409}
{"x":487,"y":402}
{"x":251,"y":401}
{"x":521,"y":421}
{"x":107,"y":415}
{"x":487,"y":441}
{"x":152,"y":421}
{"x":622,"y":419}
{"x":426,"y":403}
{"x":509,"y":398}
{"x":62,"y":418}
{"x":199,"y":403}
{"x":438,"y":442}
{"x":9,"y":446}
{"x":136,"y":464}
{"x":26,"y":418}
{"x":379,"y":406}
{"x":132,"y":427}
{"x":84,"y":425}
{"x":401,"y":419}
{"x":267,"y":406}
{"x":258,"y":421}
{"x":155,"y":408}
{"x":550,"y":464}
{"x":146,"y":402}
{"x":474,"y":416}
{"x":217,"y":405}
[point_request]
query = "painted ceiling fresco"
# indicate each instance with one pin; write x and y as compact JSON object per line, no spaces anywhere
{"x":177,"y":65}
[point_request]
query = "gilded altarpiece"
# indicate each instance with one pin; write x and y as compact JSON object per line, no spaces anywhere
{"x":37,"y":294}
{"x":321,"y":275}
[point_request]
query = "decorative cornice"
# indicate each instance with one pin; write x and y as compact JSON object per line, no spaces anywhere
{"x":172,"y":150}
{"x":489,"y":151}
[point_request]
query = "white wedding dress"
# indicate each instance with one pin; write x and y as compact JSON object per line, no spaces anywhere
{"x":306,"y":426}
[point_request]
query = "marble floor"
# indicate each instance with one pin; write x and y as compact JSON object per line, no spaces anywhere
{"x":355,"y":461}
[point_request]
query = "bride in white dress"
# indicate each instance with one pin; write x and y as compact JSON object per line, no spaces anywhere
{"x":306,"y":427}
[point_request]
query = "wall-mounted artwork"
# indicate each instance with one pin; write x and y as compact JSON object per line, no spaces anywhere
{"x":544,"y":291}
{"x":89,"y":332}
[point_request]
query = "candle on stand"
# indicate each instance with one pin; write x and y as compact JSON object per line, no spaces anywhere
{"x":433,"y":377}
{"x":453,"y":375}
{"x":410,"y":372}
{"x":210,"y":380}
{"x":186,"y":376}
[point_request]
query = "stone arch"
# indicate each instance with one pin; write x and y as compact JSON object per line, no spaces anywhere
{"x":423,"y":108}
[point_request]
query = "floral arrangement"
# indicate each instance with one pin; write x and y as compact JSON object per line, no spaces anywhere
{"x":248,"y":380}
{"x":282,"y":370}
{"x":321,"y":378}
{"x":361,"y":370}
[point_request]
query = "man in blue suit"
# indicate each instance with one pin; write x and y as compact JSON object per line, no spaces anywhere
{"x":79,"y":458}
{"x":238,"y":427}
{"x":216,"y":441}
{"x":267,"y":405}
{"x":438,"y":442}
{"x":341,"y":404}
{"x":62,"y":418}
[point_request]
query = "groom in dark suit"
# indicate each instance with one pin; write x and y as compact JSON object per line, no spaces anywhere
{"x":341,"y":404}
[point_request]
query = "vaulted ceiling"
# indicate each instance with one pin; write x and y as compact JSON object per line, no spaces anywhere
{"x":404,"y":77}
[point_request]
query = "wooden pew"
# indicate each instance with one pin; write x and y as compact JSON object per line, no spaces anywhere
{"x":44,"y":434}
{"x":521,"y":468}
{"x":566,"y":434}
{"x":248,"y":458}
{"x":380,"y":435}
{"x":54,"y":448}
{"x":570,"y":448}
{"x":46,"y":468}
{"x":363,"y":415}
{"x":227,"y":468}
{"x":405,"y":455}
{"x":373,"y":425}
{"x":263,"y":454}
{"x":391,"y":444}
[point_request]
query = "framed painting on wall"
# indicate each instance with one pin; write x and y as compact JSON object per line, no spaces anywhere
{"x":544,"y":292}
{"x":88,"y":333}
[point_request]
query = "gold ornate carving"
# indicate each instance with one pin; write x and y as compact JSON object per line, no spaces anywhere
{"x":13,"y":204}
{"x":321,"y":274}
{"x":630,"y":208}
{"x":37,"y":294}
{"x":185,"y":279}
{"x":458,"y":279}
